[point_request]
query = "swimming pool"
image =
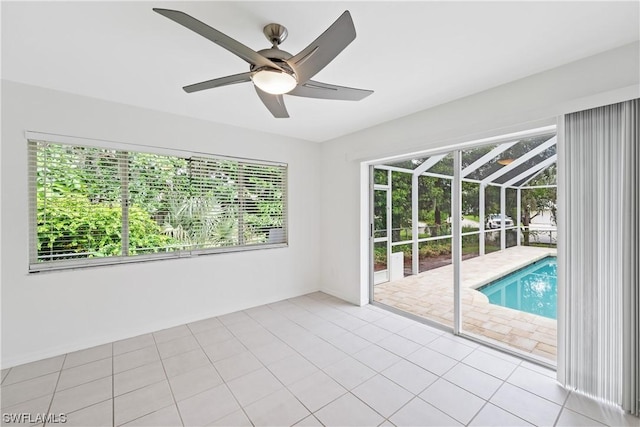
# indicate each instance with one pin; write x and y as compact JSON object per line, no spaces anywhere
{"x":532,"y":289}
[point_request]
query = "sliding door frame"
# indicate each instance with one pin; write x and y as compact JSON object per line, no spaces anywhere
{"x":456,"y":241}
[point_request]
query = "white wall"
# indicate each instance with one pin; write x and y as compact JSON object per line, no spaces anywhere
{"x":51,"y":313}
{"x":531,"y":102}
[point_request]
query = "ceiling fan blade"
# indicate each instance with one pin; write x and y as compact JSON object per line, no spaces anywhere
{"x":222,"y":81}
{"x":324,"y":49}
{"x":274,"y":103}
{"x":314,"y":89}
{"x":233,"y":46}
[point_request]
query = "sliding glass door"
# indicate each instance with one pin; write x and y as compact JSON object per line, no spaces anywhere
{"x":473,"y":230}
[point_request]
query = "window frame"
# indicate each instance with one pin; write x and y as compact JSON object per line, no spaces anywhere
{"x":36,"y":266}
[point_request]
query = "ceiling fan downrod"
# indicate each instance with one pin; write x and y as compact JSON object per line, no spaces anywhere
{"x":275,"y":33}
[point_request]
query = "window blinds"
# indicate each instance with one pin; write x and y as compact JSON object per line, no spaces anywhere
{"x":599,"y":299}
{"x":91,"y":205}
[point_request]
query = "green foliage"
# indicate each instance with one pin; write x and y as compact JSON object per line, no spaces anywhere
{"x":63,"y":169}
{"x":401,"y":203}
{"x":145,"y":234}
{"x":199,"y":222}
{"x":435,"y":248}
{"x":380,"y":255}
{"x":152,"y":177}
{"x":380,"y":176}
{"x":71,"y":226}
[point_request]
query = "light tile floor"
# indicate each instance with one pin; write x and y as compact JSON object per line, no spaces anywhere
{"x":307,"y":361}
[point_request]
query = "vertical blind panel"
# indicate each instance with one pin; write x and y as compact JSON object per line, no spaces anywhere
{"x":91,"y":203}
{"x":601,"y":186}
{"x":631,"y":259}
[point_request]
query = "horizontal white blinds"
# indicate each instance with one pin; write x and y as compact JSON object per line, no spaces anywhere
{"x":92,"y":205}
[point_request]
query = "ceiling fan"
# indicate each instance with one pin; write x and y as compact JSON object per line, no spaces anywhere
{"x":275,"y":72}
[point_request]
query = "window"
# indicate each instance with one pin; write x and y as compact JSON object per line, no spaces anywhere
{"x":93,"y":205}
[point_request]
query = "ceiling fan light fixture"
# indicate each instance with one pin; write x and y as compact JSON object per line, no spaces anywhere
{"x":505,"y":161}
{"x":274,"y":82}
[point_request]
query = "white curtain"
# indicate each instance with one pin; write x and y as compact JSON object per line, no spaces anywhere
{"x":599,"y":298}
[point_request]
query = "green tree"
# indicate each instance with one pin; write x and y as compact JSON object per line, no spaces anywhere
{"x":535,"y":201}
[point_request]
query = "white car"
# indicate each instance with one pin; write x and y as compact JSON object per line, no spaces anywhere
{"x":495,"y":221}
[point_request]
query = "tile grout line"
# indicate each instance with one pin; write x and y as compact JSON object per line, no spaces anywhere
{"x":224,"y":382}
{"x":37,"y":376}
{"x":6,"y":375}
{"x":562,"y":409}
{"x":173,"y":397}
{"x":311,"y":413}
{"x":415,"y":396}
{"x":55,"y":389}
{"x":380,"y":373}
{"x":135,"y":367}
{"x":351,"y":391}
{"x":322,"y":370}
{"x":504,"y":381}
{"x":278,"y":379}
{"x":564,"y":406}
{"x":439,"y":376}
{"x":488,"y":401}
{"x":448,"y":370}
{"x":528,"y":391}
{"x":138,"y":388}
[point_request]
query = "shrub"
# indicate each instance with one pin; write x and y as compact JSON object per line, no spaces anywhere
{"x":434,"y":249}
{"x":72,"y":224}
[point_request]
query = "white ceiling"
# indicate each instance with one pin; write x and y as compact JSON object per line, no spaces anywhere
{"x":414,"y":55}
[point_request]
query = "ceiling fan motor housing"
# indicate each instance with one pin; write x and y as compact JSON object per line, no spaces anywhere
{"x":277,"y":56}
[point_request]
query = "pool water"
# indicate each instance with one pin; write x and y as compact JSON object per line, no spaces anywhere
{"x":532,"y":289}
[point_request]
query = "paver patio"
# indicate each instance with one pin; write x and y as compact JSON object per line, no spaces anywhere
{"x":430,"y":295}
